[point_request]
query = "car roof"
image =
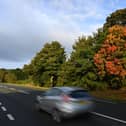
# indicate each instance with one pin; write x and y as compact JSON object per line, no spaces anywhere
{"x":69,"y":89}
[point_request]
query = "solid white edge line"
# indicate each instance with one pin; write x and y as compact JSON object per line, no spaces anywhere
{"x":109,"y":117}
{"x":10,"y":117}
{"x":3,"y":108}
{"x":99,"y":100}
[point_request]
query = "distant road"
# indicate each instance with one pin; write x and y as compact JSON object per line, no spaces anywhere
{"x":16,"y":104}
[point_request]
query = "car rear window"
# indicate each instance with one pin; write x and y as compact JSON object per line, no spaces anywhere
{"x":79,"y":94}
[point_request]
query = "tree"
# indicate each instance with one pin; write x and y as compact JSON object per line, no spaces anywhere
{"x":46,"y":64}
{"x":80,"y":69}
{"x":2,"y":75}
{"x":19,"y":73}
{"x":10,"y":78}
{"x":79,"y":64}
{"x":111,"y":58}
{"x":116,"y":18}
{"x":27,"y":69}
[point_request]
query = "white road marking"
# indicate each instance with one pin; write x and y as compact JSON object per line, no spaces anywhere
{"x":5,"y":86}
{"x":12,"y":88}
{"x":3,"y":108}
{"x":109,"y":117}
{"x":22,"y":91}
{"x":105,"y":101}
{"x":0,"y":103}
{"x":10,"y":117}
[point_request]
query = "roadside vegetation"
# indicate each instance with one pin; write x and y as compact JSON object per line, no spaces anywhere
{"x":97,"y":62}
{"x":112,"y":95}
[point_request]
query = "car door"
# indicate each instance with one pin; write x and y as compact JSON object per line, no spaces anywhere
{"x":51,"y":98}
{"x":41,"y":99}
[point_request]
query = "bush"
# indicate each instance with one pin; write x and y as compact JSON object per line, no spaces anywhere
{"x":10,"y":78}
{"x":95,"y":85}
{"x":115,"y":83}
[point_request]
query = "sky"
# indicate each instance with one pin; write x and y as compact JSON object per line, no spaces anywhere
{"x":26,"y":25}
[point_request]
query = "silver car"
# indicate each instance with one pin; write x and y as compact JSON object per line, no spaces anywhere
{"x":64,"y":102}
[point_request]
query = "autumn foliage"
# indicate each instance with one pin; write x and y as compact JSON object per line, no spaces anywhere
{"x":111,"y":58}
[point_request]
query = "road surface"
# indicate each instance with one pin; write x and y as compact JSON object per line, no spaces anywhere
{"x":17,"y":108}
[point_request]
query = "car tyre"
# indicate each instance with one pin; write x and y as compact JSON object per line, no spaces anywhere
{"x":56,"y":116}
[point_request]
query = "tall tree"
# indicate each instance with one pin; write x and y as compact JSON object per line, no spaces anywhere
{"x":19,"y":73}
{"x":80,"y":64}
{"x":46,"y":64}
{"x":116,"y":18}
{"x":111,"y":58}
{"x":10,"y":77}
{"x":3,"y":72}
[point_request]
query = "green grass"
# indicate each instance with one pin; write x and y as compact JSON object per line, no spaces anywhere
{"x":114,"y":95}
{"x":5,"y":91}
{"x":29,"y":86}
{"x":108,"y":94}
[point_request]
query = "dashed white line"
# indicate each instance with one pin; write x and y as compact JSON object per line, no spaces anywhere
{"x":10,"y":117}
{"x":22,"y":91}
{"x":5,"y":86}
{"x":0,"y":103}
{"x":109,"y":117}
{"x":12,"y":88}
{"x":3,"y":108}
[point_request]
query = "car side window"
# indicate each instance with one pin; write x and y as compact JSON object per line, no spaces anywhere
{"x":53,"y":92}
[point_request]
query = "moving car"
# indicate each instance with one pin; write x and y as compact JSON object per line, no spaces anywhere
{"x":64,"y":102}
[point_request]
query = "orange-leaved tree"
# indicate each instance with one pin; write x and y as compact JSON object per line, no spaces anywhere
{"x":110,"y":60}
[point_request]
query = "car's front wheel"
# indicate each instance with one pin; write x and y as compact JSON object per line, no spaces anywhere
{"x":56,"y":116}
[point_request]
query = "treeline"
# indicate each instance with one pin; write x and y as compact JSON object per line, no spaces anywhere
{"x":12,"y":75}
{"x":96,"y":62}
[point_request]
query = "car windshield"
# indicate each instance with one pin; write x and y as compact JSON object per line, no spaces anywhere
{"x":79,"y":94}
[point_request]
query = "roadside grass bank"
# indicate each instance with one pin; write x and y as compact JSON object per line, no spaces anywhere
{"x":109,"y":94}
{"x":31,"y":86}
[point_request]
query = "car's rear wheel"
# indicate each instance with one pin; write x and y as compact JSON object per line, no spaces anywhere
{"x":56,"y":116}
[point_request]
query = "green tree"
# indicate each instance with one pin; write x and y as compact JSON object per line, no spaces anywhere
{"x":19,"y":73}
{"x":27,"y":69}
{"x":10,"y":77}
{"x":80,"y":69}
{"x":116,"y":18}
{"x":46,"y":64}
{"x":2,"y":74}
{"x":79,"y":64}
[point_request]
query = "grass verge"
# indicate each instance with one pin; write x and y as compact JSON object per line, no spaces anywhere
{"x":29,"y":86}
{"x":113,"y":95}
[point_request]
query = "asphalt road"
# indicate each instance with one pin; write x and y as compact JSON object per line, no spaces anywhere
{"x":17,"y":109}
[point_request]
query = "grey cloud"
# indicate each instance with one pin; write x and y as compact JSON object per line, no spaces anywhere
{"x":25,"y":27}
{"x":25,"y":32}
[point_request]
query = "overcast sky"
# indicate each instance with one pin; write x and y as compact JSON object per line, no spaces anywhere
{"x":26,"y":25}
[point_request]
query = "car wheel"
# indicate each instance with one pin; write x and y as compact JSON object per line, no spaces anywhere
{"x":56,"y":116}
